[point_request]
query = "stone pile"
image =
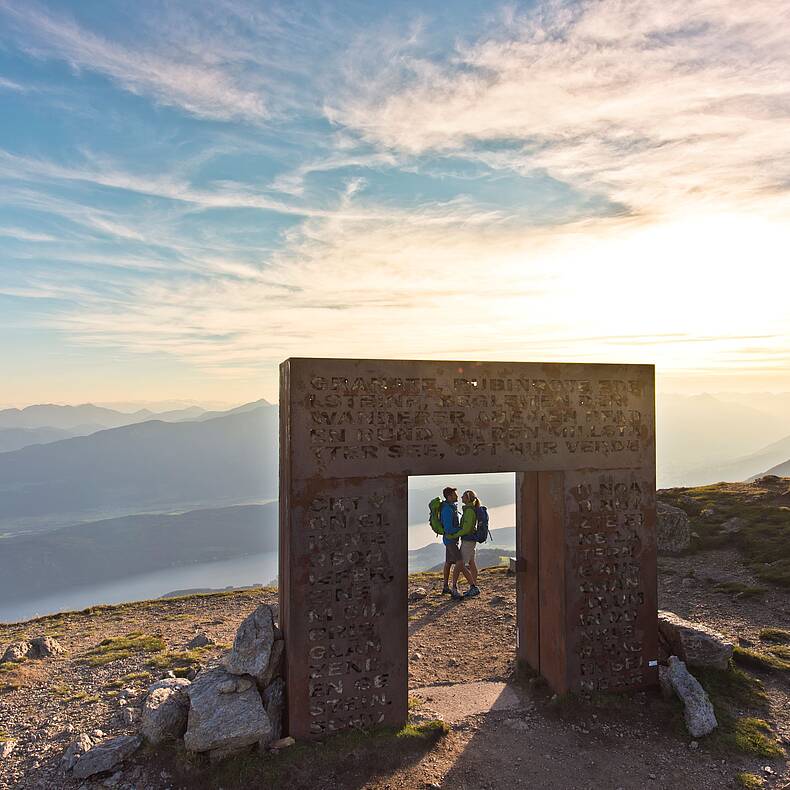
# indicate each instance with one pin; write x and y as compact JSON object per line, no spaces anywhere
{"x":231,"y":706}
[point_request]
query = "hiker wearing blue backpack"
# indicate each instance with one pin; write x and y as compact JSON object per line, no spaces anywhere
{"x":474,"y":530}
{"x":444,"y":521}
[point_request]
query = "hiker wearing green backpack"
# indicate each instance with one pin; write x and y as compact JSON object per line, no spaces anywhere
{"x":473,"y":530}
{"x":445,"y":522}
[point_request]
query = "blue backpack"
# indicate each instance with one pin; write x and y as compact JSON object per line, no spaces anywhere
{"x":482,"y":533}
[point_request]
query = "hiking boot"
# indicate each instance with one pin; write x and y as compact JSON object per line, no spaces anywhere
{"x":472,"y":592}
{"x":446,"y":590}
{"x":456,"y":596}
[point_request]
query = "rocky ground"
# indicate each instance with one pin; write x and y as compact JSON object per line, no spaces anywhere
{"x":631,"y":741}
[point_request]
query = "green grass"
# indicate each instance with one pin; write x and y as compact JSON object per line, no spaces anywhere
{"x":180,"y":661}
{"x":751,"y":736}
{"x":739,"y":590}
{"x":131,"y":677}
{"x":427,"y":729}
{"x":763,"y":541}
{"x":378,"y":751}
{"x":69,"y":696}
{"x":756,"y":659}
{"x":778,"y":636}
{"x":4,"y":736}
{"x":119,"y":647}
{"x":750,"y":781}
{"x":732,"y":686}
{"x":730,"y":690}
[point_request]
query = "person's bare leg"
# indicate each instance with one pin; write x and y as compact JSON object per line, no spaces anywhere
{"x":457,"y":571}
{"x":447,"y":566}
{"x":473,"y":570}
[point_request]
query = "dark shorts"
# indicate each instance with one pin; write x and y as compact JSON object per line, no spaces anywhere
{"x":452,"y":553}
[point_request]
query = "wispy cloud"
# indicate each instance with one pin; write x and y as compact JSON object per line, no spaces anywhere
{"x":10,"y":85}
{"x":21,"y":234}
{"x":650,"y":104}
{"x":205,"y":90}
{"x":401,"y":223}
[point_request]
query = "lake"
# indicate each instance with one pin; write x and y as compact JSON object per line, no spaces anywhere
{"x":239,"y":572}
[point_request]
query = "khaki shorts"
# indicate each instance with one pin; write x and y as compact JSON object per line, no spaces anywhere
{"x":452,"y":553}
{"x":468,"y":550}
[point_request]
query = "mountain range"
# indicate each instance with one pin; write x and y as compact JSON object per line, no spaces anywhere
{"x":152,"y":465}
{"x":146,"y":490}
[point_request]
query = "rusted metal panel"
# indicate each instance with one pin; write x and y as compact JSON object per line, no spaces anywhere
{"x":346,"y":619}
{"x":527,"y":602}
{"x":353,"y":430}
{"x":552,"y":560}
{"x":354,"y":418}
{"x":611,"y":591}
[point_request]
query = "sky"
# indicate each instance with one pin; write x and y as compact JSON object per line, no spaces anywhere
{"x":192,"y":192}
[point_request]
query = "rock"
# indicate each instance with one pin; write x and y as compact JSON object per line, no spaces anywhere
{"x":201,"y":640}
{"x":235,"y":684}
{"x":732,"y":525}
{"x":6,"y":747}
{"x":252,"y":647}
{"x":698,"y":711}
{"x":418,"y":593}
{"x":667,"y":692}
{"x":168,"y":683}
{"x":708,"y":512}
{"x":273,"y":703}
{"x":16,"y":652}
{"x":165,"y":711}
{"x":44,"y":647}
{"x":75,"y":750}
{"x":693,"y":643}
{"x":220,"y":721}
{"x":673,"y":531}
{"x":127,"y":716}
{"x":283,"y":743}
{"x":106,"y":756}
{"x":275,"y":664}
{"x":767,"y":481}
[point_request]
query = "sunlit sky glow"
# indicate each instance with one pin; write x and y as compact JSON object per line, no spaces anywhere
{"x":191,"y":192}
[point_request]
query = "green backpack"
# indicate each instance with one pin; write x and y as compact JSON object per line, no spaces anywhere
{"x":434,"y":518}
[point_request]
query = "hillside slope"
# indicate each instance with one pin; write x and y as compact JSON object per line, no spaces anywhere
{"x":630,"y":741}
{"x":144,"y":466}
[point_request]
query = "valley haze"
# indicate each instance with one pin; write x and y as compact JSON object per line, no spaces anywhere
{"x":144,"y":503}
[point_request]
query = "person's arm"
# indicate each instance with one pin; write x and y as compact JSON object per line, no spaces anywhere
{"x":468,"y":522}
{"x":446,"y":515}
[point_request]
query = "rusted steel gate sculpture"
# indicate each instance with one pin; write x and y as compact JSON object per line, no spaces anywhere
{"x":581,"y":439}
